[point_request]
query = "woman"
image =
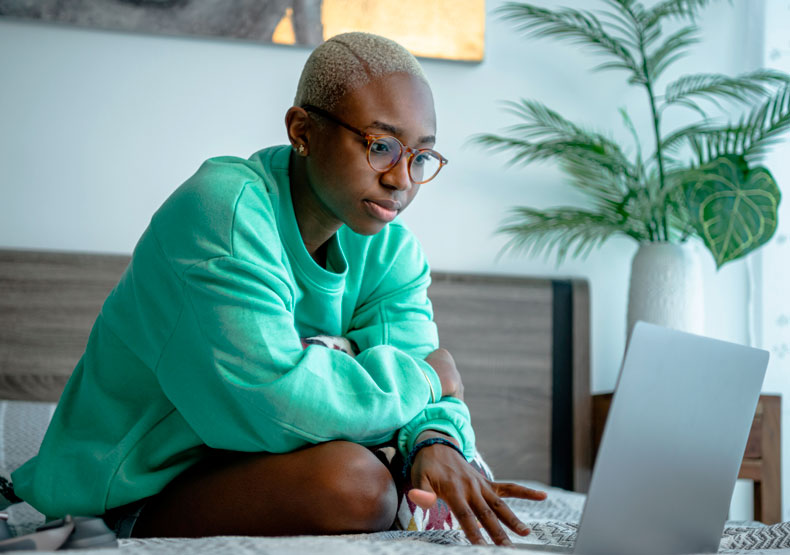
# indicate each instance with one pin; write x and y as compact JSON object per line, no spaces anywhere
{"x":197,"y":410}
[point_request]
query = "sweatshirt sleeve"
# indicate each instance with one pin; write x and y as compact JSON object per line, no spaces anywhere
{"x":398,"y":313}
{"x":235,"y":369}
{"x":450,"y":416}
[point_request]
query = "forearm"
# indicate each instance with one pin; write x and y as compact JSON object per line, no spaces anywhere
{"x":443,"y":364}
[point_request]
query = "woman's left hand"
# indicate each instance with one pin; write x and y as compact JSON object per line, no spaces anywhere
{"x":440,"y":471}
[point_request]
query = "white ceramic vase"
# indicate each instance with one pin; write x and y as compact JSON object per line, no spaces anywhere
{"x":666,"y":287}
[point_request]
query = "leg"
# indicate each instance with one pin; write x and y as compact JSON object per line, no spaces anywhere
{"x":329,"y":488}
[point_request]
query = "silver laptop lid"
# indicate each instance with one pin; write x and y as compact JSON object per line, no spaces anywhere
{"x":672,"y":445}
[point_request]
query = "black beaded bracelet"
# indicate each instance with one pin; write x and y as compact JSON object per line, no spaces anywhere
{"x":427,"y":443}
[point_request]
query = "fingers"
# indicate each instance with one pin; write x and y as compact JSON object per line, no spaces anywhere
{"x":505,"y":514}
{"x":422,"y":498}
{"x":490,"y":510}
{"x":490,"y":521}
{"x":467,"y":520}
{"x":470,"y":496}
{"x":507,"y":489}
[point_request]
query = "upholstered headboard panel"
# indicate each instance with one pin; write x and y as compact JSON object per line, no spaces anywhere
{"x":48,"y":302}
{"x":522,"y":345}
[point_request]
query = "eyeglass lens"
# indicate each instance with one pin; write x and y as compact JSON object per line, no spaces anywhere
{"x":385,"y":152}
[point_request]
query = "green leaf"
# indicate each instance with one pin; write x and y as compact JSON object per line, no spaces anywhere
{"x":629,"y":124}
{"x":750,"y":138}
{"x":670,"y":50}
{"x":766,"y":123}
{"x":744,"y":88}
{"x":540,"y":121}
{"x":537,"y":232}
{"x":732,"y":207}
{"x":648,"y":198}
{"x":603,"y":186}
{"x":578,"y":26}
{"x":544,"y":134}
{"x":687,"y":9}
{"x":622,"y":21}
{"x":676,"y":139}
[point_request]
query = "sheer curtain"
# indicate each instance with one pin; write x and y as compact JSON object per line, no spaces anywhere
{"x":772,"y":263}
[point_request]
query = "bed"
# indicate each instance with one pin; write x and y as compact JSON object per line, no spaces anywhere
{"x":522,"y":345}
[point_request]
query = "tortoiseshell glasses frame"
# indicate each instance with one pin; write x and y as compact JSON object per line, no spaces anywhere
{"x":385,"y":151}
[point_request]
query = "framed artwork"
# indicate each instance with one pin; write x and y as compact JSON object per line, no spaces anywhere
{"x":448,"y":29}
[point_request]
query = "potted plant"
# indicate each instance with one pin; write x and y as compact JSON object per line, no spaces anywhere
{"x":702,"y":180}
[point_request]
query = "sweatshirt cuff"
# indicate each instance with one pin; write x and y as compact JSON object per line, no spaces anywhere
{"x":449,"y":416}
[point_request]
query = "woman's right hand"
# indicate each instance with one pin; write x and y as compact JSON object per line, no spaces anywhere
{"x":444,"y":365}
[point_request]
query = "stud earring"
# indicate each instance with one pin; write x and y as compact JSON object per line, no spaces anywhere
{"x":301,"y":150}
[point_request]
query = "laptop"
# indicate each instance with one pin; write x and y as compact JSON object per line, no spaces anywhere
{"x":672,"y":446}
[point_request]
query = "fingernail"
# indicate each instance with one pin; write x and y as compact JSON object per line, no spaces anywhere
{"x":523,"y":529}
{"x":507,"y":543}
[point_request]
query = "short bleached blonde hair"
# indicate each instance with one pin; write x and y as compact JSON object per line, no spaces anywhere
{"x":347,"y":62}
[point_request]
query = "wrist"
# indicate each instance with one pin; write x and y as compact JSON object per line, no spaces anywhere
{"x":418,"y":448}
{"x":428,"y":434}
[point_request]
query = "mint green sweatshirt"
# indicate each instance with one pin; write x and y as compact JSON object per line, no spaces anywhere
{"x":198,"y":346}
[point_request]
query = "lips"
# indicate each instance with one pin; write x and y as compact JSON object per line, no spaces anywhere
{"x":383,"y":209}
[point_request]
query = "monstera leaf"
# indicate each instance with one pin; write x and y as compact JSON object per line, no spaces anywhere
{"x":733,"y":207}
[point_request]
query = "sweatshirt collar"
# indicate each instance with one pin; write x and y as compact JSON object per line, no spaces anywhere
{"x":333,"y":276}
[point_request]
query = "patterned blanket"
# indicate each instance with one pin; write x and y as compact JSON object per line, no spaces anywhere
{"x":553,"y":521}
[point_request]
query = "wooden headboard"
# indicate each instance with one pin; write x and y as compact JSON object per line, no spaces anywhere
{"x":521,"y":344}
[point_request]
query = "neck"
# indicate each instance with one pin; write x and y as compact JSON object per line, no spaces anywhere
{"x":315,"y":225}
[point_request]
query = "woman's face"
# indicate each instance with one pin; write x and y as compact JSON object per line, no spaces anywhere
{"x":347,"y":189}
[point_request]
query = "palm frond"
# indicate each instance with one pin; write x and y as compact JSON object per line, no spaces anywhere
{"x":540,"y":121}
{"x":674,"y":198}
{"x":603,"y":186}
{"x":745,"y":88}
{"x":525,"y":152}
{"x":680,"y":222}
{"x":621,"y":4}
{"x":640,"y":197}
{"x":619,"y":20}
{"x":635,"y":16}
{"x":650,"y":34}
{"x":544,"y":134}
{"x":679,"y":137}
{"x":750,"y":138}
{"x":671,"y":49}
{"x":579,"y":26}
{"x":539,"y":232}
{"x":687,"y":9}
{"x":629,"y":124}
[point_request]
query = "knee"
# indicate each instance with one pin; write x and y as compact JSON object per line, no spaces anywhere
{"x":360,"y":488}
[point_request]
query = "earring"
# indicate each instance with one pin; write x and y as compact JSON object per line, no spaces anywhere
{"x":300,"y":150}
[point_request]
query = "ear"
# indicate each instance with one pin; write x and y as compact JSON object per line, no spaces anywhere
{"x":298,"y":125}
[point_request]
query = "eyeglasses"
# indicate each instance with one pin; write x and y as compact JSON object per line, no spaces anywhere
{"x":385,"y":151}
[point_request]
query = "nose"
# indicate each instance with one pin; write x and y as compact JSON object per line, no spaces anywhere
{"x":397,"y":177}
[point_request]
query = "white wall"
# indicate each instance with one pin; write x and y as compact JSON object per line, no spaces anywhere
{"x":97,"y":128}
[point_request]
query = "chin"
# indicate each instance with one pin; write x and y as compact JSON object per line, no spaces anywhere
{"x":367,"y":228}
